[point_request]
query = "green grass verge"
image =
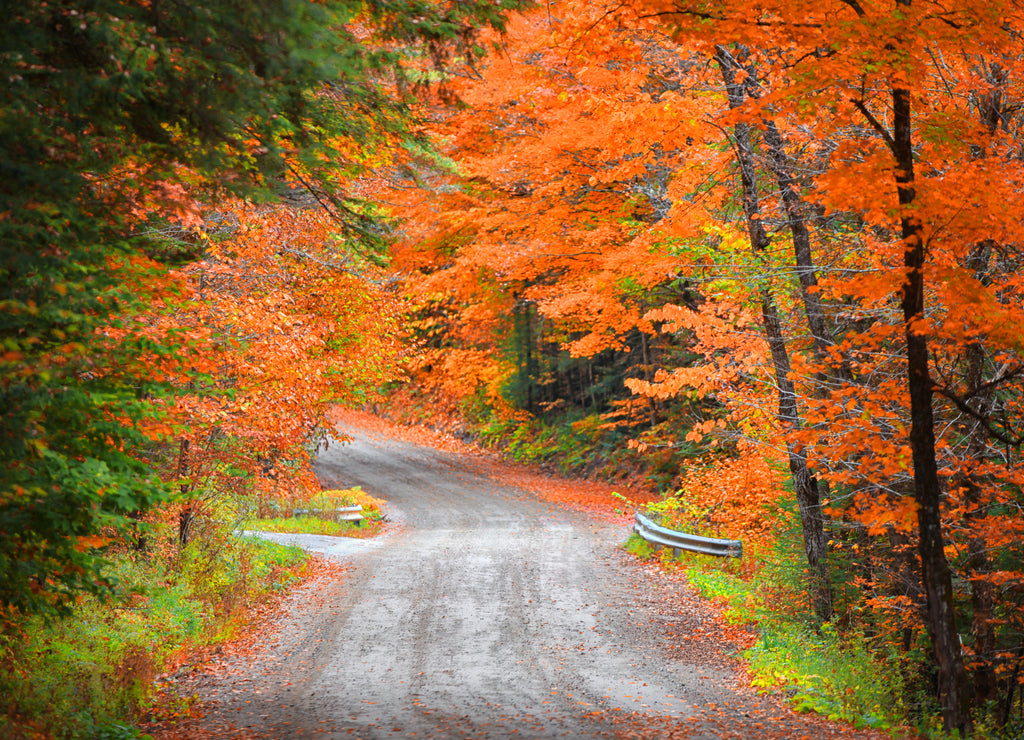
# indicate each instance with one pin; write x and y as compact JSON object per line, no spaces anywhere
{"x":91,"y":675}
{"x":824,"y":671}
{"x":319,"y":515}
{"x":829,"y":673}
{"x":310,"y":525}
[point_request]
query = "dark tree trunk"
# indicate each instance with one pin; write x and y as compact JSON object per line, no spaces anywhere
{"x":993,"y":115}
{"x":983,"y":596}
{"x":954,"y":696}
{"x":802,"y":256}
{"x":804,"y":484}
{"x":140,"y":543}
{"x":186,"y":512}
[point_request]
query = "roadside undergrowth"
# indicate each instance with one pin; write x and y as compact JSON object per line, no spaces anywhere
{"x":323,"y":514}
{"x":91,"y":675}
{"x":315,"y":525}
{"x":831,"y":671}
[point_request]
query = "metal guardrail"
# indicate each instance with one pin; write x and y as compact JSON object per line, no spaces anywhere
{"x":660,"y":536}
{"x":342,"y":513}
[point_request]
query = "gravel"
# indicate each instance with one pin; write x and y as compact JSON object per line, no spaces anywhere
{"x":486,"y":612}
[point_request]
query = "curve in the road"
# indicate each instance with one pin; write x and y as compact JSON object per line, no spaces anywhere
{"x":489,"y":614}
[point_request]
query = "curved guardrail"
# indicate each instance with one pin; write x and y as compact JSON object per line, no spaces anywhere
{"x":660,"y":536}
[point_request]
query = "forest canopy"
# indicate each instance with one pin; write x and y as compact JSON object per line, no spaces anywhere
{"x":146,"y":293}
{"x":724,"y":234}
{"x":768,"y":254}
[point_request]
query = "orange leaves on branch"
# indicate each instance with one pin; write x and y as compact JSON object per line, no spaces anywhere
{"x":736,"y":498}
{"x":731,"y":369}
{"x":278,"y":321}
{"x":881,"y":513}
{"x":560,"y":161}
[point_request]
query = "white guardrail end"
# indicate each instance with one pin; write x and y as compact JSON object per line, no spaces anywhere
{"x":662,"y":537}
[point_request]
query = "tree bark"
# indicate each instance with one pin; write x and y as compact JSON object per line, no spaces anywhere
{"x":983,"y":596}
{"x":803,"y":258}
{"x":993,"y":116}
{"x":954,"y":696}
{"x":804,"y":484}
{"x":186,"y":512}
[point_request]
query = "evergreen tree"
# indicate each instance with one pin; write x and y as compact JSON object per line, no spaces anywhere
{"x":117,"y":119}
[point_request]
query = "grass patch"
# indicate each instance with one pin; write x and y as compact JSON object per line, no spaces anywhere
{"x":828,"y":672}
{"x":739,"y":602}
{"x":313,"y":525}
{"x":319,"y":515}
{"x":91,"y":675}
{"x":639,"y":547}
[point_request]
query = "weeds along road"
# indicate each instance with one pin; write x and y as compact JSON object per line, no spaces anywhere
{"x":488,"y":613}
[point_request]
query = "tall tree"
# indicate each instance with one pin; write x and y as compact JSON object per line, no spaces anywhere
{"x":883,"y":138}
{"x":867,"y":64}
{"x":805,"y":485}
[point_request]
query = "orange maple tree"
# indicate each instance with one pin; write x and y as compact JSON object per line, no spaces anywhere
{"x":277,"y":322}
{"x":817,"y":203}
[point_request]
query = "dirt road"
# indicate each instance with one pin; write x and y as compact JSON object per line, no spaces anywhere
{"x":488,"y":613}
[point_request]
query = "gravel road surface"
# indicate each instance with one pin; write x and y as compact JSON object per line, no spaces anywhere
{"x":486,"y":613}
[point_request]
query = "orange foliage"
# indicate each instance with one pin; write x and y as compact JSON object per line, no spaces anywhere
{"x":733,"y":498}
{"x":554,"y":158}
{"x":593,"y":179}
{"x":275,"y":324}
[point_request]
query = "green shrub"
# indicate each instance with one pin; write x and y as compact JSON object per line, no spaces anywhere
{"x":737,"y":596}
{"x":639,"y":547}
{"x":830,"y":673}
{"x":90,"y":675}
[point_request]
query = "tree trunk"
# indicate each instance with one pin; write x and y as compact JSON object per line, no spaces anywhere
{"x":804,"y":484}
{"x":993,"y":115}
{"x":983,"y":596}
{"x":186,"y":512}
{"x":140,"y":543}
{"x":936,"y":579}
{"x":802,"y":256}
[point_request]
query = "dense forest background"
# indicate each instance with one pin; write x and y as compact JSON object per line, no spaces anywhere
{"x":761,"y":258}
